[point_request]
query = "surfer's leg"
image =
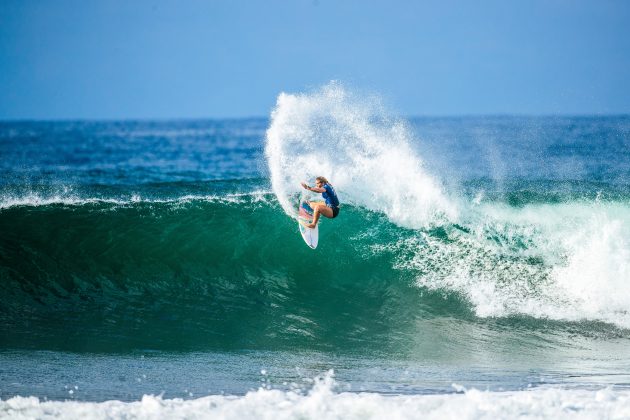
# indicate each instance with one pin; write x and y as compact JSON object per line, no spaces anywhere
{"x":326,"y":211}
{"x":313,"y":204}
{"x":323,"y":209}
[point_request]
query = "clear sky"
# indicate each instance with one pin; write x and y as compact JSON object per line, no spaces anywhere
{"x":195,"y":59}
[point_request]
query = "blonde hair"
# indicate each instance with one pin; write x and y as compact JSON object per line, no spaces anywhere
{"x":322,"y":179}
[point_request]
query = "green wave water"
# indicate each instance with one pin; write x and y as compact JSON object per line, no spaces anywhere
{"x":233,"y":273}
{"x":191,"y":275}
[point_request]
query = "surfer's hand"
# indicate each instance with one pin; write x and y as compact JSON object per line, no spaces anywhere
{"x":304,"y":185}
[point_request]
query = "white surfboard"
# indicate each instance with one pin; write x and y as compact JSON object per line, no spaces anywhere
{"x":305,"y":216}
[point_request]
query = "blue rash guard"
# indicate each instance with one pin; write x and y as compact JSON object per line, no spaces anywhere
{"x":330,"y":196}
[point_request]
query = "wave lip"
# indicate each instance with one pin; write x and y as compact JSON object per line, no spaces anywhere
{"x":43,"y":200}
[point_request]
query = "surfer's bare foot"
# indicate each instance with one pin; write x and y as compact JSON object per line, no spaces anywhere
{"x":311,"y":226}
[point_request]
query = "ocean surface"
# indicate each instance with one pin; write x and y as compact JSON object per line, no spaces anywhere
{"x":479,"y":267}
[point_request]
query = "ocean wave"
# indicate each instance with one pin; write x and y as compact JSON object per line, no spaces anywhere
{"x":234,"y":271}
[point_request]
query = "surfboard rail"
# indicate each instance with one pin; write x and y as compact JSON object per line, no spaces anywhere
{"x":305,"y":217}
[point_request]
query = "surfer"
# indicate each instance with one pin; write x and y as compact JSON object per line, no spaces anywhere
{"x":329,"y":208}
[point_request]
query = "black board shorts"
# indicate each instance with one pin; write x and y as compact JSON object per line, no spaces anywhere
{"x":335,"y":211}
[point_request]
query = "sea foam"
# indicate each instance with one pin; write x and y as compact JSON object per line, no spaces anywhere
{"x":323,"y":402}
{"x":566,"y":262}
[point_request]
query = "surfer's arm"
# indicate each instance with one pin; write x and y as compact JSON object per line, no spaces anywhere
{"x":314,"y":189}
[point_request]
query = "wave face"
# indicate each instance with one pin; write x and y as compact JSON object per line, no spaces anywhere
{"x":227,"y":272}
{"x":503,"y":225}
{"x":232,"y":272}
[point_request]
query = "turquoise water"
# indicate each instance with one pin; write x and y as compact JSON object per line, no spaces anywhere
{"x":140,"y":258}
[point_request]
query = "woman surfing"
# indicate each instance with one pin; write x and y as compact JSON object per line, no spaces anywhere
{"x":330,"y":207}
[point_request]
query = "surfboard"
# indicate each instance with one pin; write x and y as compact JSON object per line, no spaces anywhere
{"x":305,"y":216}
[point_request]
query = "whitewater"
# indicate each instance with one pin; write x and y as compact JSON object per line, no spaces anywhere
{"x":322,"y":403}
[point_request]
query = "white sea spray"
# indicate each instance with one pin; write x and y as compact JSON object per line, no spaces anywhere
{"x":364,"y":152}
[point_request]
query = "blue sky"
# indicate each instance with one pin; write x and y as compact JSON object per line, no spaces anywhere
{"x":64,"y":59}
